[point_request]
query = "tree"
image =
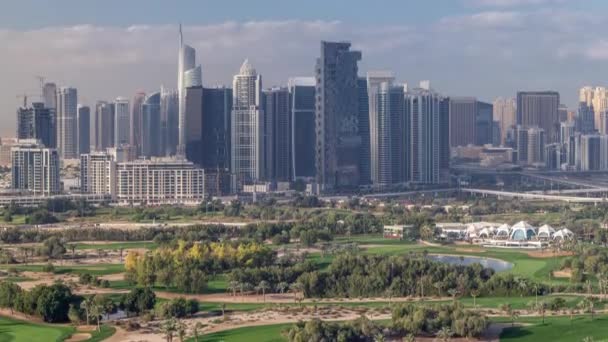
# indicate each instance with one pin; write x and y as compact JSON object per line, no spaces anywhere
{"x":53,"y":302}
{"x":409,"y":338}
{"x":169,"y":327}
{"x":282,"y":287}
{"x":453,"y":293}
{"x":96,"y":312}
{"x":514,"y":315}
{"x":263,"y":286}
{"x":86,"y":305}
{"x":444,"y":334}
{"x":233,"y":286}
{"x":139,"y":300}
{"x":52,"y":248}
{"x":180,"y":327}
{"x":9,"y":292}
{"x":474,"y":294}
{"x":196,"y":329}
{"x":587,"y":304}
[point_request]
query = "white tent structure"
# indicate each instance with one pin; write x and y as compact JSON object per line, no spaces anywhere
{"x":503,"y":231}
{"x":563,"y":234}
{"x":522,"y":231}
{"x":487,"y":232}
{"x":545,"y":232}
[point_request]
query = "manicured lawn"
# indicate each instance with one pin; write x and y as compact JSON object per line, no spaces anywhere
{"x":269,"y":333}
{"x":20,"y":331}
{"x":99,"y":269}
{"x":106,"y":331}
{"x":558,"y":329}
{"x":118,"y":245}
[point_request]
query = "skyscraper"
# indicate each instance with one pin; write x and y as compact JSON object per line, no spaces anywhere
{"x":484,"y":124}
{"x":98,"y":173}
{"x":150,"y":142}
{"x":84,"y":129}
{"x":35,"y":168}
{"x":463,"y":116}
{"x":169,"y":117}
{"x":337,"y":111}
{"x":135,"y":122}
{"x":423,"y":108}
{"x":586,"y":113}
{"x":36,"y":122}
{"x":247,"y":121}
{"x":104,"y":125}
{"x":444,"y":135}
{"x":186,"y":76}
{"x":217,"y":108}
{"x":49,"y":98}
{"x":365,"y":172}
{"x":379,"y":86}
{"x":302,"y":97}
{"x":277,"y":134}
{"x":539,"y":109}
{"x":505,"y":113}
{"x":67,"y":129}
{"x":122,"y":120}
{"x":194,"y":125}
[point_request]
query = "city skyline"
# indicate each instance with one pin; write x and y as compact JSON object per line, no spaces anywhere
{"x":107,"y":59}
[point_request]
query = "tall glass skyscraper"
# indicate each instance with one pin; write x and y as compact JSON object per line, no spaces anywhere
{"x":247,"y":121}
{"x":337,"y":110}
{"x":302,"y":97}
{"x":188,"y":75}
{"x":277,"y":134}
{"x":84,"y":129}
{"x":36,"y":122}
{"x":150,"y":109}
{"x":67,"y":129}
{"x":217,"y":108}
{"x":122,"y":120}
{"x":169,"y":121}
{"x":135,"y":122}
{"x":104,"y":125}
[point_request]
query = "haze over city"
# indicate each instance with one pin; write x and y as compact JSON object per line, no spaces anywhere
{"x":482,"y":48}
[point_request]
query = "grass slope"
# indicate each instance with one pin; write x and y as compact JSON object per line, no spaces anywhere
{"x":558,"y":329}
{"x":20,"y":331}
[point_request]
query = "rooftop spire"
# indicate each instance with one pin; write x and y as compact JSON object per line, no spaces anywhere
{"x":181,"y":35}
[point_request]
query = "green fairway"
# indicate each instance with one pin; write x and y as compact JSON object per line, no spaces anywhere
{"x":20,"y":331}
{"x":558,"y":329}
{"x":269,"y":333}
{"x":117,"y":245}
{"x":98,"y":270}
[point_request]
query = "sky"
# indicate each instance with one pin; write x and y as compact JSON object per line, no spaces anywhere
{"x":482,"y":48}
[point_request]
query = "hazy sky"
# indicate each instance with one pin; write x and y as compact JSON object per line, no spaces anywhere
{"x":483,"y":48}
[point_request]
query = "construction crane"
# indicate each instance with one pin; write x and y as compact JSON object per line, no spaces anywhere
{"x":24,"y":97}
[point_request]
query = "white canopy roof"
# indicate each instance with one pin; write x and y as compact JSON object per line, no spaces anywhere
{"x":522,"y":225}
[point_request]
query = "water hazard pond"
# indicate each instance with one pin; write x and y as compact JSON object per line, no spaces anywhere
{"x":495,"y":264}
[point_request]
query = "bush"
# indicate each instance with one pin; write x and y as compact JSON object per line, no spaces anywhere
{"x":48,"y":268}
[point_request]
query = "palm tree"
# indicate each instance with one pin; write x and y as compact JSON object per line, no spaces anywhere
{"x":224,"y":311}
{"x":233,"y":286}
{"x":588,"y":305}
{"x":86,"y":305}
{"x":181,"y":330}
{"x":97,"y":311}
{"x":506,"y":308}
{"x":196,"y":329}
{"x":282,"y":287}
{"x":379,"y":337}
{"x":453,"y":293}
{"x":444,"y":334}
{"x":296,"y":288}
{"x":439,"y":286}
{"x":263,"y":286}
{"x":523,"y":286}
{"x":409,"y":338}
{"x":474,"y":294}
{"x":514,"y":315}
{"x":168,"y":328}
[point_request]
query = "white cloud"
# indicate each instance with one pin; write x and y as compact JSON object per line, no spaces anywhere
{"x":513,"y":3}
{"x":487,"y":54}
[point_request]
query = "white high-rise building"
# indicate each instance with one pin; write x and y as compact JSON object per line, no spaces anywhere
{"x":159,"y":181}
{"x":122,"y":122}
{"x":379,"y":84}
{"x":247,"y":150}
{"x":422,"y":107}
{"x":505,"y":113}
{"x":187,"y":75}
{"x":35,"y":168}
{"x":98,"y":174}
{"x":66,"y":122}
{"x":593,"y":105}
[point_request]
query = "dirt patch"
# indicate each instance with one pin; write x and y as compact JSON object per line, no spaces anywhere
{"x":548,"y":254}
{"x":113,"y":277}
{"x":565,"y":273}
{"x":77,"y":337}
